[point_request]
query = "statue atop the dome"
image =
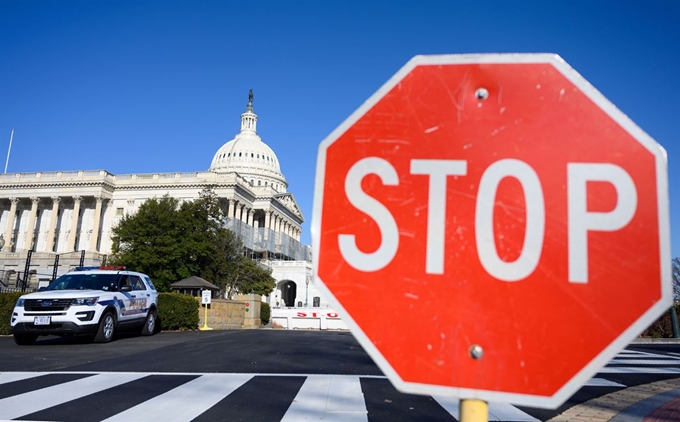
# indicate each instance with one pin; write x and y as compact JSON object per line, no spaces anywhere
{"x":250,"y":98}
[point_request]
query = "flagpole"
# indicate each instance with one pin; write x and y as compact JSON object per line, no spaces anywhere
{"x":9,"y":150}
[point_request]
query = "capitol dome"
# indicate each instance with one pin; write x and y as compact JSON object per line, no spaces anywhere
{"x":249,"y":157}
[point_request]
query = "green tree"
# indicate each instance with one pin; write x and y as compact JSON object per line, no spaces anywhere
{"x":170,"y":241}
{"x":210,"y":250}
{"x":250,"y":277}
{"x":147,"y":241}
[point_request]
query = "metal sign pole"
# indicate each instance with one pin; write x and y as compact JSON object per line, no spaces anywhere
{"x":205,"y":300}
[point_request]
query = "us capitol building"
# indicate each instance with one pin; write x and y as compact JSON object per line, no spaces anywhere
{"x":53,"y":221}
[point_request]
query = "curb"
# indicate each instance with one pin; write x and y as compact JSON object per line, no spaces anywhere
{"x":630,"y":404}
{"x":642,"y":340}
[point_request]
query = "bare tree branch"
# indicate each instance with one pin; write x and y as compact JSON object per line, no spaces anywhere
{"x":676,"y":278}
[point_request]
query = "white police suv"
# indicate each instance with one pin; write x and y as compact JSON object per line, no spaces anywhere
{"x":94,"y":301}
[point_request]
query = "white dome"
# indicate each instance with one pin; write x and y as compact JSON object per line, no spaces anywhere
{"x":248,"y":156}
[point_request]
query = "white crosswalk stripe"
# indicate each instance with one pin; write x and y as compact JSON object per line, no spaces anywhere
{"x":330,"y":398}
{"x":26,"y":403}
{"x":638,"y":370}
{"x":184,"y":403}
{"x":601,"y":382}
{"x":6,"y":377}
{"x":659,"y":362}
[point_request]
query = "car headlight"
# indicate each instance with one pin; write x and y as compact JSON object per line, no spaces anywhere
{"x":20,"y":302}
{"x":88,"y":301}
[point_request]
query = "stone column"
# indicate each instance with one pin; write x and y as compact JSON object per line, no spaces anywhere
{"x":267,"y":217}
{"x":71,"y":246}
{"x":53,"y":224}
{"x":239,"y":211}
{"x":250,"y":216}
{"x":30,"y":231}
{"x":230,"y":213}
{"x":9,"y":230}
{"x":95,"y":227}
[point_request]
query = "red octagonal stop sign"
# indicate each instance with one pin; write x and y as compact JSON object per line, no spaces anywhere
{"x":492,"y":227}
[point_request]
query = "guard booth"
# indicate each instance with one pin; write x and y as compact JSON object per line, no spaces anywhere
{"x":193,"y":286}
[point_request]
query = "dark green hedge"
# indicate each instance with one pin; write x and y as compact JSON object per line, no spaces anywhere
{"x":265,"y":313}
{"x":7,"y":302}
{"x":177,"y":311}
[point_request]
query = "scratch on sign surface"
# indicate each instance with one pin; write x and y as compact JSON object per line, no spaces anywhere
{"x":394,"y":141}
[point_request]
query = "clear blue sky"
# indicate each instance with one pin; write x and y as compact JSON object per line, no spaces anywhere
{"x":158,"y":86}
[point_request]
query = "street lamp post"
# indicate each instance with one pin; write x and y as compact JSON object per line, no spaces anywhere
{"x":306,"y":291}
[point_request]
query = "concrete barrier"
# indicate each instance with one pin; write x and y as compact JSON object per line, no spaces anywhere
{"x":307,"y":319}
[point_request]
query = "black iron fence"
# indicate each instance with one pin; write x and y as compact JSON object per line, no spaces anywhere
{"x":15,"y":290}
{"x":19,"y":281}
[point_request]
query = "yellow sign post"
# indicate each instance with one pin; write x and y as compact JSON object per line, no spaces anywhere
{"x":472,"y":410}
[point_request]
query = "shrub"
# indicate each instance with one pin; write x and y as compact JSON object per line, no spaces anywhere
{"x":265,"y":313}
{"x":7,"y":302}
{"x":662,"y":327}
{"x":177,"y":311}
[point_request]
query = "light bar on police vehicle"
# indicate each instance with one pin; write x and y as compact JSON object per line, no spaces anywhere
{"x":100,"y":267}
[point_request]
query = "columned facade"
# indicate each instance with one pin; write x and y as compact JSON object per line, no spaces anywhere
{"x":36,"y":223}
{"x":71,"y":214}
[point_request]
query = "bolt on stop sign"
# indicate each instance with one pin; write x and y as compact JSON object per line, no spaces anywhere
{"x":492,"y":227}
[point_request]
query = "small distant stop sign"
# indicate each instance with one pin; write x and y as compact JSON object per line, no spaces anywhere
{"x":492,"y":227}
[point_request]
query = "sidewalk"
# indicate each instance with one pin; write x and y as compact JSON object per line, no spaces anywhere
{"x":654,"y":402}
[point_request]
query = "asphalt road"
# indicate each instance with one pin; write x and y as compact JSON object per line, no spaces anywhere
{"x":170,"y":361}
{"x":243,"y":351}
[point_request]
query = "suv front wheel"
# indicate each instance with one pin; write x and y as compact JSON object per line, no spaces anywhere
{"x":107,"y":326}
{"x":150,"y":323}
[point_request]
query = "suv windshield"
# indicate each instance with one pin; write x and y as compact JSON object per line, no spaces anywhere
{"x":75,"y":281}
